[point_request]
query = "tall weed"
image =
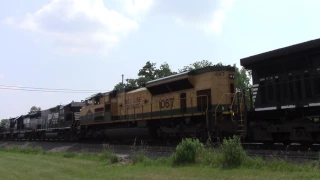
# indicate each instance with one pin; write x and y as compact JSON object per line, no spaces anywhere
{"x":186,"y":151}
{"x":209,"y":157}
{"x":111,"y":157}
{"x":232,"y":152}
{"x":138,"y":158}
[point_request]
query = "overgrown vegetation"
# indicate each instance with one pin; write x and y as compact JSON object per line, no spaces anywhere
{"x":229,"y":154}
{"x":109,"y":156}
{"x":186,"y":151}
{"x":233,"y":154}
{"x":105,"y":156}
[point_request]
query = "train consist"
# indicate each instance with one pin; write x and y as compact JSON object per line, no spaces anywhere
{"x":59,"y":122}
{"x":195,"y":103}
{"x":282,"y":105}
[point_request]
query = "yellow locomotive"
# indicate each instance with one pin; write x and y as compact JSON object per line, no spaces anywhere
{"x":197,"y":103}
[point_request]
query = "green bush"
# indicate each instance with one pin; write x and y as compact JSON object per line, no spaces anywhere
{"x":138,"y":158}
{"x":186,"y":151}
{"x":232,"y":152}
{"x":209,"y":157}
{"x":107,"y":155}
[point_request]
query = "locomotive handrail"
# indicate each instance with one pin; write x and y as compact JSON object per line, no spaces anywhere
{"x":215,"y":112}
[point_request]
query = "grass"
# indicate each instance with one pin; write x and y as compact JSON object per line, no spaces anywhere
{"x":106,"y":156}
{"x":39,"y":166}
{"x":191,"y":160}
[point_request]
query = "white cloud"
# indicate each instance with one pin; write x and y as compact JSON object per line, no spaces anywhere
{"x":207,"y":16}
{"x":80,"y":25}
{"x":219,"y":16}
{"x":89,"y":26}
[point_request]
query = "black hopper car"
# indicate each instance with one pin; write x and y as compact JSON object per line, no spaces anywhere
{"x":285,"y":95}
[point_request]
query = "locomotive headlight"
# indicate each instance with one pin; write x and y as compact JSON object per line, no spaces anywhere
{"x":231,"y":76}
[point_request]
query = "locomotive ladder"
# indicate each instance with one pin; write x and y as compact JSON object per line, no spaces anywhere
{"x":240,"y":129}
{"x":239,"y":113}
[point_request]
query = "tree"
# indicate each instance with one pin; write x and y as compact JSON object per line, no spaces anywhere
{"x":118,"y":86}
{"x":242,"y":78}
{"x":3,"y":122}
{"x":147,"y":73}
{"x":164,"y":71}
{"x":130,"y":83}
{"x":243,"y":84}
{"x":34,"y":109}
{"x":141,"y":81}
{"x":197,"y":65}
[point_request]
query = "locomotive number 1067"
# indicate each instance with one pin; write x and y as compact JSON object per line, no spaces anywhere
{"x":166,"y":103}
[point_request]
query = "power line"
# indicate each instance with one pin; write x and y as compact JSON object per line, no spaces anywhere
{"x":53,"y":89}
{"x":37,"y":90}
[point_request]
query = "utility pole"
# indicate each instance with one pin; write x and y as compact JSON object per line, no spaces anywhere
{"x":122,"y":82}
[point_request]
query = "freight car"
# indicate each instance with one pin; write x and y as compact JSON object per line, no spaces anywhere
{"x":285,"y":94}
{"x":200,"y":103}
{"x":59,"y":122}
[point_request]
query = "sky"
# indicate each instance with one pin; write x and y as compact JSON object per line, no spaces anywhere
{"x":89,"y":44}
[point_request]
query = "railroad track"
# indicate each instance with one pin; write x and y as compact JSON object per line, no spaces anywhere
{"x":158,"y":150}
{"x":293,"y":155}
{"x":246,"y":145}
{"x":93,"y":147}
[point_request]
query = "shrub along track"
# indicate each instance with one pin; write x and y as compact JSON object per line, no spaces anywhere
{"x":292,"y":152}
